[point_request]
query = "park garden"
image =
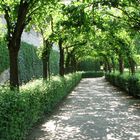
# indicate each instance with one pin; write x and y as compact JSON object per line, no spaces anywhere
{"x":93,"y":38}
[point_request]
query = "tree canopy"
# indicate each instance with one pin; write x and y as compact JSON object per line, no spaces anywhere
{"x":107,"y":30}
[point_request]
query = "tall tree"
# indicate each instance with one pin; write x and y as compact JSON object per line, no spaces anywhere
{"x":18,"y":14}
{"x":44,"y":24}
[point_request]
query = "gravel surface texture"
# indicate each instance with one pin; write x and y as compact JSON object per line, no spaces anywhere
{"x":94,"y":110}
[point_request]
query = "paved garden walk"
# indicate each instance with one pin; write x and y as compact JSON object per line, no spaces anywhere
{"x":95,"y":110}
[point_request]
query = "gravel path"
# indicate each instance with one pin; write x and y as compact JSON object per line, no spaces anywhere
{"x":95,"y":110}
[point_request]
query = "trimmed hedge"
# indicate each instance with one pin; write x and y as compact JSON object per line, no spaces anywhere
{"x":30,"y":66}
{"x":4,"y":56}
{"x":89,"y":64}
{"x":54,"y":62}
{"x":20,"y":111}
{"x":128,"y":83}
{"x":92,"y":74}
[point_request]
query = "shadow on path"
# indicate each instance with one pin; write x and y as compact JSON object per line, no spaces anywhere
{"x":95,"y":110}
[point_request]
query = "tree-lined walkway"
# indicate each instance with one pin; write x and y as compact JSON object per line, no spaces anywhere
{"x":95,"y":110}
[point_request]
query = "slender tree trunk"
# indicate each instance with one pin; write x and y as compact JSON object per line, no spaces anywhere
{"x":45,"y":59}
{"x":113,"y":64}
{"x":68,"y":69}
{"x":49,"y":70}
{"x":61,"y":61}
{"x":73,"y":64}
{"x":105,"y":67}
{"x":132,"y":65}
{"x":45,"y":68}
{"x":121,"y":64}
{"x":108,"y":65}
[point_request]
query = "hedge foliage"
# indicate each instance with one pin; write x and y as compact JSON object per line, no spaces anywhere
{"x":20,"y":111}
{"x":30,"y":66}
{"x":89,"y":64}
{"x":92,"y":74}
{"x":128,"y":83}
{"x":4,"y":56}
{"x":54,"y":62}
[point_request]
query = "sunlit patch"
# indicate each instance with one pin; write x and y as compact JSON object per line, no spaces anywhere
{"x":135,"y":134}
{"x":64,"y":117}
{"x":114,"y":104}
{"x":131,"y":109}
{"x":135,"y":106}
{"x":70,"y":129}
{"x":49,"y":126}
{"x":111,"y":137}
{"x":134,"y":117}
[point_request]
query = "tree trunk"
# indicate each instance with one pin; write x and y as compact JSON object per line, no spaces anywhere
{"x":121,"y":64}
{"x":131,"y":65}
{"x":113,"y":64}
{"x":105,"y":67}
{"x":68,"y":68}
{"x":45,"y":59}
{"x":61,"y":61}
{"x":49,"y":70}
{"x":73,"y":63}
{"x":13,"y":58}
{"x":108,"y":65}
{"x":45,"y":68}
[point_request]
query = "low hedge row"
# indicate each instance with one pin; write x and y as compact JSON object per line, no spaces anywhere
{"x":20,"y":111}
{"x":128,"y":83}
{"x":92,"y":74}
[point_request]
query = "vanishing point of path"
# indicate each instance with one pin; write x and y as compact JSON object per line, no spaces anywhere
{"x":95,"y":110}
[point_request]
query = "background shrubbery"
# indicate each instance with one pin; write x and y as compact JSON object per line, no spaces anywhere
{"x":54,"y":62}
{"x":88,"y":64}
{"x":19,"y":111}
{"x":4,"y":56}
{"x":92,"y":74}
{"x":128,"y":83}
{"x":30,"y":66}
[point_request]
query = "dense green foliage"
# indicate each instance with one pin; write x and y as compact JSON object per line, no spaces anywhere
{"x":128,"y":83}
{"x":92,"y":74}
{"x":19,"y":111}
{"x":107,"y":30}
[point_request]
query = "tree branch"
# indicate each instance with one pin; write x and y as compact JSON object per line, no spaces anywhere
{"x":77,"y":44}
{"x":7,"y":18}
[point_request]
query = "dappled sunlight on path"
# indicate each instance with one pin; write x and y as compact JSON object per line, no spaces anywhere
{"x":95,"y":110}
